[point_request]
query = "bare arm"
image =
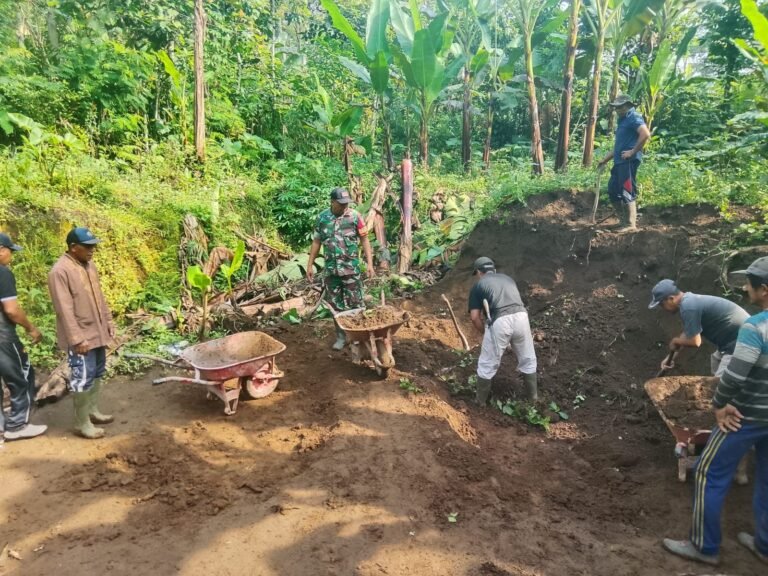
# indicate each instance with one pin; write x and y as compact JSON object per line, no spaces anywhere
{"x":642,"y":137}
{"x":683,"y":341}
{"x":477,"y":320}
{"x":607,"y":158}
{"x":17,"y":315}
{"x":313,"y":252}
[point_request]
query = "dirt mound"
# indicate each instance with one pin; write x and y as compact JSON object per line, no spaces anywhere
{"x":371,"y":319}
{"x":686,"y":400}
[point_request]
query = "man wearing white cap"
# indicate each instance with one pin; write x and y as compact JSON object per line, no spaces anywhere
{"x":506,"y":322}
{"x":740,"y":406}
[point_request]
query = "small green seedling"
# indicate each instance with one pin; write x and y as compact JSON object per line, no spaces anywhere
{"x":292,"y":316}
{"x":408,"y":386}
{"x":202,"y":282}
{"x":230,"y":269}
{"x":453,"y":517}
{"x":556,"y":409}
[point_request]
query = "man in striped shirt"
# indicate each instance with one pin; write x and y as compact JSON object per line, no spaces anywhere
{"x":741,"y":410}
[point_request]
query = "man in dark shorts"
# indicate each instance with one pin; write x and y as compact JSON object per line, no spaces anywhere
{"x":508,"y":324}
{"x":16,"y":372}
{"x":627,"y":153}
{"x":83,"y":326}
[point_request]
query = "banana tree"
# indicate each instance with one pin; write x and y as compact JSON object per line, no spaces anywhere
{"x":526,"y":13}
{"x":758,"y":53}
{"x":422,"y":57}
{"x":500,"y":72}
{"x":472,"y":40}
{"x":564,"y":133}
{"x":372,"y":59}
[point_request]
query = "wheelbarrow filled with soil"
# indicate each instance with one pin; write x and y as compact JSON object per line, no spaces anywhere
{"x":370,"y":334}
{"x":685,"y":405}
{"x":243,"y":362}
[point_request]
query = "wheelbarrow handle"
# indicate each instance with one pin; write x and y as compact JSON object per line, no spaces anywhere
{"x":174,"y":363}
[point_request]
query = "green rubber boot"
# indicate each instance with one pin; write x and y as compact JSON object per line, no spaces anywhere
{"x":83,"y":425}
{"x":483,"y":391}
{"x":96,"y":416}
{"x":531,"y":386}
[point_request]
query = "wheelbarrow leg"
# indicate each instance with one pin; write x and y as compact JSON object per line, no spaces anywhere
{"x":229,"y":396}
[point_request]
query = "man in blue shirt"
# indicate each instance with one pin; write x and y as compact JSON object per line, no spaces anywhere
{"x":627,"y":153}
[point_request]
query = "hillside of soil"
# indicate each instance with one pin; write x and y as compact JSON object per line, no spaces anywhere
{"x":340,"y":473}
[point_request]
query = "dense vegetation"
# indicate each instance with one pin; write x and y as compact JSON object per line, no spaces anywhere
{"x":97,"y":114}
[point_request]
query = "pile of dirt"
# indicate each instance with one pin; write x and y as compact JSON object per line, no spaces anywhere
{"x":686,"y":400}
{"x":373,"y":318}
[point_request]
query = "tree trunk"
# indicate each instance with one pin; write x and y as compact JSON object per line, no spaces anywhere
{"x":537,"y":154}
{"x":424,"y":141}
{"x":594,"y":101}
{"x":406,"y":241}
{"x":200,"y":24}
{"x":466,"y":122}
{"x":564,"y":133}
{"x":488,"y":134}
{"x":53,"y":32}
{"x":614,"y":88}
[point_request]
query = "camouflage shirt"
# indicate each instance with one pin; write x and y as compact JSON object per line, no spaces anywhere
{"x":340,"y":237}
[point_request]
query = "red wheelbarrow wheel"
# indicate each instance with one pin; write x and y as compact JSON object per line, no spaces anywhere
{"x":253,"y":389}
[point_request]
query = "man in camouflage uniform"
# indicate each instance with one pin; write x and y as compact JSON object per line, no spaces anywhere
{"x":340,"y":231}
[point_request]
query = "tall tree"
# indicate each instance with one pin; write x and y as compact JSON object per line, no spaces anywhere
{"x":200,"y":29}
{"x":527,"y":13}
{"x":564,"y":133}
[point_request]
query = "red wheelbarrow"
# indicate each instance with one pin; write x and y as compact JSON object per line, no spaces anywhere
{"x":243,"y":362}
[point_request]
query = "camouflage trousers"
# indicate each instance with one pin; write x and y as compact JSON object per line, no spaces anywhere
{"x":344,"y":292}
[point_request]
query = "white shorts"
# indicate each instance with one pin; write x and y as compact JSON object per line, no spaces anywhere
{"x":512,"y":329}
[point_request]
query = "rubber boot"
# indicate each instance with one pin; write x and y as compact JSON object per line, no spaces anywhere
{"x":96,"y":416}
{"x":341,"y":339}
{"x":621,"y":212}
{"x":483,"y":391}
{"x":83,"y":425}
{"x":531,"y":386}
{"x":632,"y":218}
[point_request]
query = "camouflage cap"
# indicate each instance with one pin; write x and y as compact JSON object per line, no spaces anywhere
{"x":621,"y":100}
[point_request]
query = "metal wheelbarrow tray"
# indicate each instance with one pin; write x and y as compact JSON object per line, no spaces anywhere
{"x":226,"y":366}
{"x":376,"y":339}
{"x":689,"y":438}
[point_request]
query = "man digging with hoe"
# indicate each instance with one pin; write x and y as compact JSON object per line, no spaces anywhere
{"x":506,"y":322}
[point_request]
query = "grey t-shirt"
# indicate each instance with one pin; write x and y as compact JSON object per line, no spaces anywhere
{"x":716,"y":319}
{"x":500,"y":291}
{"x":7,"y":292}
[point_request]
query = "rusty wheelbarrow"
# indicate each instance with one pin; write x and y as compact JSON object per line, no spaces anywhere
{"x":370,"y":334}
{"x":243,"y":362}
{"x":684,"y":404}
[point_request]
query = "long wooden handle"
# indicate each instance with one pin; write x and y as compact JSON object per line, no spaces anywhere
{"x":670,"y":358}
{"x":463,"y":338}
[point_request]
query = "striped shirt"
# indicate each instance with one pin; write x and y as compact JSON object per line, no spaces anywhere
{"x":745,"y":381}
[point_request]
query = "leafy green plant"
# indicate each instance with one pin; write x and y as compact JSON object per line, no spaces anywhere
{"x":202,"y":282}
{"x":522,"y":412}
{"x":292,"y":316}
{"x":230,"y":269}
{"x":408,"y":386}
{"x":557,"y":410}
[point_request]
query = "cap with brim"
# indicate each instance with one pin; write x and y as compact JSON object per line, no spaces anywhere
{"x":662,"y":291}
{"x":483,"y":264}
{"x":758,"y":268}
{"x":341,"y":196}
{"x":6,"y":242}
{"x":621,"y":100}
{"x":81,"y":236}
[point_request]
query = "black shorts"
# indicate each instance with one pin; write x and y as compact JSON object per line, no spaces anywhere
{"x":622,"y":186}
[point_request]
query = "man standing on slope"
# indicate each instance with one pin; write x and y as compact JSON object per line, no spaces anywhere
{"x":15,"y":370}
{"x":506,"y":323}
{"x":627,"y":153}
{"x":741,"y":409}
{"x":340,"y":230}
{"x":84,"y":327}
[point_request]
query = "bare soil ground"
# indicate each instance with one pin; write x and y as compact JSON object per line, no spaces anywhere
{"x":340,"y":473}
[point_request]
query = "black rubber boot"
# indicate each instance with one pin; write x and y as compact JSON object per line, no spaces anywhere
{"x":531,"y":386}
{"x":483,"y":391}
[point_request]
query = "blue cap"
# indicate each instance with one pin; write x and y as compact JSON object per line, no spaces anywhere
{"x":662,"y":291}
{"x":6,"y":242}
{"x":81,"y":236}
{"x":758,"y":268}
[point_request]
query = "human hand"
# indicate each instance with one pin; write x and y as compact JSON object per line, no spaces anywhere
{"x":627,"y":154}
{"x":34,"y":334}
{"x":370,"y":273}
{"x":310,"y":274}
{"x":111,"y":330}
{"x":667,"y":365}
{"x":728,"y":418}
{"x":600,"y":166}
{"x":81,"y":348}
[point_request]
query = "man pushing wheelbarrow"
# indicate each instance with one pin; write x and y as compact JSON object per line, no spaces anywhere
{"x":340,"y":230}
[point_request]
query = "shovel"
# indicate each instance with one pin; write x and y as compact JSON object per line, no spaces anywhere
{"x":597,"y":195}
{"x":669,"y":359}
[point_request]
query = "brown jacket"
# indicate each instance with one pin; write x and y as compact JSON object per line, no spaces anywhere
{"x":82,"y":314}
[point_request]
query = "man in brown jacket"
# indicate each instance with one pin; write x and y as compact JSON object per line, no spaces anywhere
{"x":84,"y":327}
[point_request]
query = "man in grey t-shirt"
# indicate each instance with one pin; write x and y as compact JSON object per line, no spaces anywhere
{"x":716,"y":319}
